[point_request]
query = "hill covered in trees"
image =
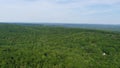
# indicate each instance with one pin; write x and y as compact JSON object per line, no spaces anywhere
{"x":107,"y":27}
{"x":37,"y":46}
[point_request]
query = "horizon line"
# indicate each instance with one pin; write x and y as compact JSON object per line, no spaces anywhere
{"x":57,"y":23}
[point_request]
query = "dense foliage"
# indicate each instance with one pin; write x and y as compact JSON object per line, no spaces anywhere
{"x":57,"y":47}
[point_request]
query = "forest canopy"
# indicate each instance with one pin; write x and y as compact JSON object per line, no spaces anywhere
{"x":23,"y":46}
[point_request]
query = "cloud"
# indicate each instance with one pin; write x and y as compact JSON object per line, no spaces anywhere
{"x":58,"y":10}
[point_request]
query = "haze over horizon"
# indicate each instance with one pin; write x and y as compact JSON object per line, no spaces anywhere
{"x":61,"y":11}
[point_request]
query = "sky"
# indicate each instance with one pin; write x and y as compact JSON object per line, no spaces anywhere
{"x":61,"y":11}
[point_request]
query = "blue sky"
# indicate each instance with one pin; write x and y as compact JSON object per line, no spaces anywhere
{"x":61,"y":11}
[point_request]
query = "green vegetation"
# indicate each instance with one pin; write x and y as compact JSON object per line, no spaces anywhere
{"x":57,"y":47}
